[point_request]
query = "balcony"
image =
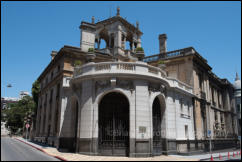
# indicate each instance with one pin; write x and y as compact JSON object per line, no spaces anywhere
{"x":127,"y":69}
{"x":170,"y":54}
{"x":138,"y":68}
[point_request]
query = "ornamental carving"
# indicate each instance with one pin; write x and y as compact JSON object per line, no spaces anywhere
{"x":125,"y":84}
{"x":77,"y":89}
{"x":102,"y":84}
{"x":156,"y":88}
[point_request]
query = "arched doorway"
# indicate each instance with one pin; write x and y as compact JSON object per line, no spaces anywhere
{"x":158,"y":109}
{"x":113,"y":122}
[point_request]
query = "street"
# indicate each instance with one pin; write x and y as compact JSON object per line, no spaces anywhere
{"x":14,"y":150}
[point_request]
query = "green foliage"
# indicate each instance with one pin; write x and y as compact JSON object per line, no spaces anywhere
{"x":90,"y":50}
{"x":161,"y":62}
{"x":139,"y":49}
{"x":17,"y":111}
{"x":35,"y":91}
{"x":77,"y":63}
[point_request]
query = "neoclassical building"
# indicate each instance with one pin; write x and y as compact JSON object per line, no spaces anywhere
{"x":116,"y":101}
{"x":237,"y":87}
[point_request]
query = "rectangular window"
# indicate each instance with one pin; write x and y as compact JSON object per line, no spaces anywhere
{"x":181,"y":105}
{"x":51,"y":95}
{"x":238,"y":108}
{"x":200,"y":80}
{"x":186,"y":132}
{"x":52,"y":75}
{"x":58,"y":91}
{"x":188,"y":109}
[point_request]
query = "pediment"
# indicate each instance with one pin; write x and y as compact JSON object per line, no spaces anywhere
{"x":124,"y":22}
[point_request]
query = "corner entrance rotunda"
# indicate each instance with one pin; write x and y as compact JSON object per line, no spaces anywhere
{"x":113,"y":125}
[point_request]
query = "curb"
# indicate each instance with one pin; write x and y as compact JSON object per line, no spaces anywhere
{"x":225,"y":156}
{"x":60,"y":158}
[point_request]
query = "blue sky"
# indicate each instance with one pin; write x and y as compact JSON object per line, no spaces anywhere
{"x":31,"y":30}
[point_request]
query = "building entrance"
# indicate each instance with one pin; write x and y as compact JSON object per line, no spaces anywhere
{"x":113,"y":125}
{"x":156,"y":116}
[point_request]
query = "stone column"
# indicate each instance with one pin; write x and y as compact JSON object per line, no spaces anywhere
{"x":118,"y":37}
{"x":85,"y":140}
{"x":139,"y":42}
{"x":142,"y":140}
{"x":132,"y":47}
{"x":99,"y":43}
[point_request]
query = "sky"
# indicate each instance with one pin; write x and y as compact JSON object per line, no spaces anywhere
{"x":31,"y":30}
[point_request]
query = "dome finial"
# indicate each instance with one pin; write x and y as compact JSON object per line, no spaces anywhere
{"x":237,"y":76}
{"x":137,"y":24}
{"x":93,"y":19}
{"x":118,"y":11}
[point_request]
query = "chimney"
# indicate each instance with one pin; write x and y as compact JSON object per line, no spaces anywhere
{"x":53,"y":54}
{"x":162,"y":43}
{"x":93,"y":20}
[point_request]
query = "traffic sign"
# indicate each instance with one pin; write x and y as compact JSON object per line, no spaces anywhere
{"x":27,"y":125}
{"x":209,"y":133}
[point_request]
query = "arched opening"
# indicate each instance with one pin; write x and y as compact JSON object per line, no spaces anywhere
{"x":158,"y":110}
{"x":104,"y":39}
{"x":103,"y":44}
{"x":113,"y":124}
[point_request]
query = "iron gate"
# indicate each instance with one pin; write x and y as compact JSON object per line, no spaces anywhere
{"x":114,"y":125}
{"x":156,"y":114}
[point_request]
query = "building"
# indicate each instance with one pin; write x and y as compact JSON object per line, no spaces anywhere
{"x":214,"y":103}
{"x":4,"y":130}
{"x":120,"y":103}
{"x":23,"y":93}
{"x":6,"y":100}
{"x":237,"y":87}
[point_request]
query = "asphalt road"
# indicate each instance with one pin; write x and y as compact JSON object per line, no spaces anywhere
{"x":14,"y":150}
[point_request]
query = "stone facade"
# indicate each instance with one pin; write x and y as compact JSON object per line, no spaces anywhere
{"x":214,"y":102}
{"x":160,"y":110}
{"x":237,"y":94}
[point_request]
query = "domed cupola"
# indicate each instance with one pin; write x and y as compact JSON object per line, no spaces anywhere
{"x":237,"y":86}
{"x":237,"y":83}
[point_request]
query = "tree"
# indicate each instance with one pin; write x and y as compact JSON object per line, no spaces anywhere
{"x":35,"y":93}
{"x":17,"y":111}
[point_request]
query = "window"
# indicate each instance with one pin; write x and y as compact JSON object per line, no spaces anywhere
{"x":238,"y":108}
{"x":215,"y":116}
{"x":181,"y":105}
{"x":188,"y":108}
{"x":212,"y":95}
{"x":58,"y":68}
{"x":51,"y":75}
{"x":51,"y":95}
{"x":186,"y":132}
{"x":58,"y":91}
{"x":45,"y":99}
{"x":200,"y":80}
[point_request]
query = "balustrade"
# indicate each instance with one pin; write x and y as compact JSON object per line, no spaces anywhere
{"x":129,"y":68}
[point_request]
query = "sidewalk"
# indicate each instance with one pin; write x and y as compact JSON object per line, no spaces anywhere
{"x":39,"y":147}
{"x":79,"y":157}
{"x":204,"y":157}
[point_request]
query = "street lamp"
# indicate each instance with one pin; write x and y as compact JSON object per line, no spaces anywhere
{"x":9,"y":85}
